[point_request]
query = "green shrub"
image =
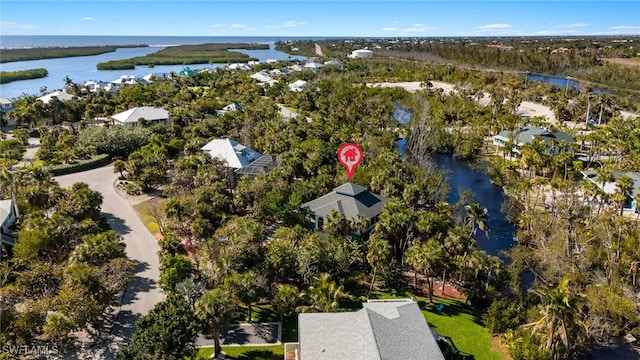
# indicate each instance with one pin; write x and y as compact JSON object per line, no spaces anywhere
{"x":82,"y":165}
{"x":133,"y":189}
{"x":502,"y":315}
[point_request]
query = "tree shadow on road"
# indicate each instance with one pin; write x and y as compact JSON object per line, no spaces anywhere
{"x":117,"y":224}
{"x":138,"y":284}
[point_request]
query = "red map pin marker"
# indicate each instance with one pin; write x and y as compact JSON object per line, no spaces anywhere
{"x":350,"y":156}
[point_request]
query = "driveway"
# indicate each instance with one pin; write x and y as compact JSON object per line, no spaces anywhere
{"x":251,"y":334}
{"x":142,"y":292}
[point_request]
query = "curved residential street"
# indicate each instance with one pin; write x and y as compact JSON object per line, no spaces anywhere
{"x":142,"y":292}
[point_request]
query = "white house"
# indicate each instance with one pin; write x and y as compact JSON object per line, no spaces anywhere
{"x":7,"y":219}
{"x":314,"y":66}
{"x":6,"y":105}
{"x":263,"y":78}
{"x":243,"y":67}
{"x":334,"y":62}
{"x":298,"y":85}
{"x":131,"y":116}
{"x":361,"y":54}
{"x":234,"y":106}
{"x":233,"y":154}
{"x":61,"y":95}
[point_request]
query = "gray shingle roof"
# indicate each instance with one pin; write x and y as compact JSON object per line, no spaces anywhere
{"x":611,"y":187}
{"x":349,"y":199}
{"x":527,"y":133}
{"x":394,"y":330}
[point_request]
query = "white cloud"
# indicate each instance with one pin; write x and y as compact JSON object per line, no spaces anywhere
{"x":567,"y":26}
{"x":419,"y":28}
{"x":492,"y":27}
{"x":88,"y":18}
{"x":234,"y":26}
{"x":10,"y":25}
{"x":625,"y":28}
{"x":557,"y":32}
{"x":412,"y":29}
{"x":287,"y":24}
{"x":293,"y":23}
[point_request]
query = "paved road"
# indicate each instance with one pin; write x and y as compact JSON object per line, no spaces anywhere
{"x":142,"y":292}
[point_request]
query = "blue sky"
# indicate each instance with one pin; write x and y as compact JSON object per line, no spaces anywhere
{"x":418,"y":18}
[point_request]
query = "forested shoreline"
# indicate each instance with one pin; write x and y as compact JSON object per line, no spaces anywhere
{"x":12,"y":55}
{"x":187,"y":54}
{"x":9,"y":76}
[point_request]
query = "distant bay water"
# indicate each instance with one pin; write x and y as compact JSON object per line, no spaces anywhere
{"x":83,"y":68}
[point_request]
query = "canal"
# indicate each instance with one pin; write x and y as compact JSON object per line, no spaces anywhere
{"x":462,"y":176}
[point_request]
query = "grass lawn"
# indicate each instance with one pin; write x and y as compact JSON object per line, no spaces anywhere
{"x":457,"y":321}
{"x":275,"y":352}
{"x":144,"y":211}
{"x":463,"y":326}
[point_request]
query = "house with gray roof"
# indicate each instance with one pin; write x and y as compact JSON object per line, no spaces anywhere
{"x":610,"y":187}
{"x":349,"y":199}
{"x":556,"y":141}
{"x":381,"y":330}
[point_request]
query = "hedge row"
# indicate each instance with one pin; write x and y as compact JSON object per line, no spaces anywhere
{"x":83,"y":165}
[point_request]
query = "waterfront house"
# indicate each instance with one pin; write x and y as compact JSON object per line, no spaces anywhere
{"x":556,"y":141}
{"x":381,"y":330}
{"x":235,"y":155}
{"x":610,"y":187}
{"x":352,"y":201}
{"x":6,"y":105}
{"x":61,"y":95}
{"x":151,"y":114}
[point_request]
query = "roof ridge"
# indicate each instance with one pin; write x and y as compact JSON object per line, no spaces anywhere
{"x":372,"y":331}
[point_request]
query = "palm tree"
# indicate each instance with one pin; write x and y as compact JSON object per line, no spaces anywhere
{"x":477,"y":218}
{"x":213,"y":311}
{"x":119,"y":166}
{"x":322,"y":296}
{"x":378,"y":256}
{"x":560,"y":319}
{"x":191,"y":290}
{"x":625,"y":187}
{"x":286,"y":299}
{"x":427,"y":258}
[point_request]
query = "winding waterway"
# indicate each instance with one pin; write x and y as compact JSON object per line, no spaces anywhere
{"x":461,"y":175}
